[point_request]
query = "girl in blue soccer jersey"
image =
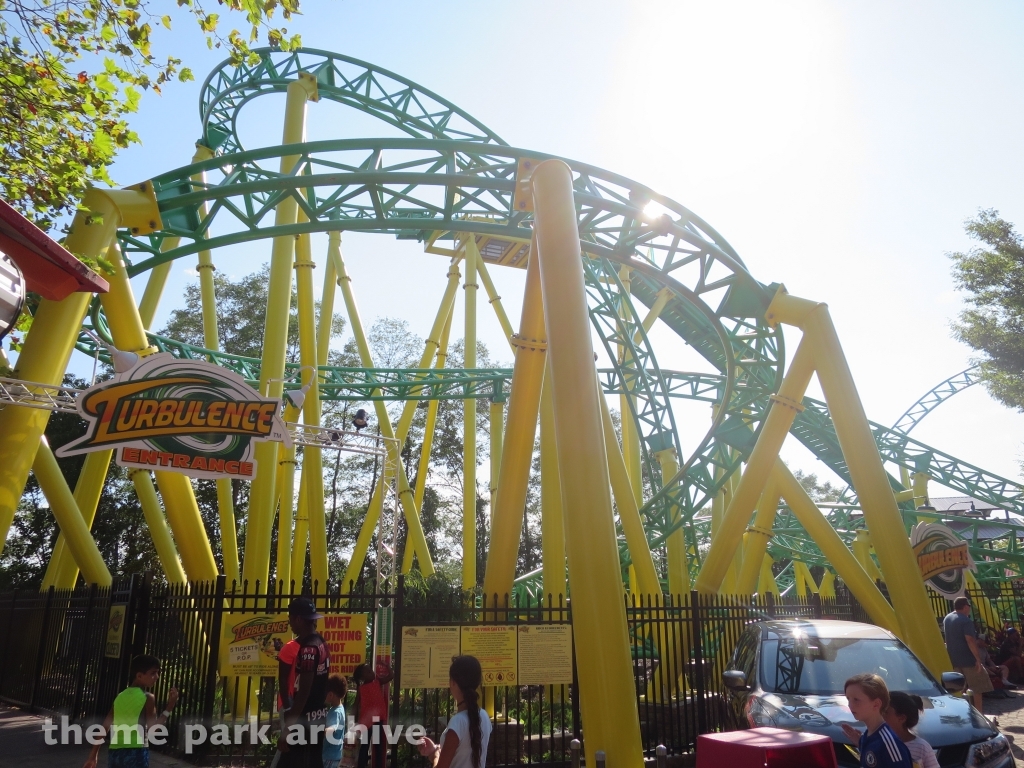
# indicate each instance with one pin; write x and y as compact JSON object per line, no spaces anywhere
{"x":880,"y":747}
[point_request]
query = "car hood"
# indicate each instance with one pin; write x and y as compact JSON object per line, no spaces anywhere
{"x":945,"y":720}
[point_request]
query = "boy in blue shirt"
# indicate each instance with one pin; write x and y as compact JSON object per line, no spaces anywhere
{"x":334,"y":735}
{"x":880,"y":747}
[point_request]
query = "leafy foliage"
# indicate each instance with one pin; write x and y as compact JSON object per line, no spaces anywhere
{"x":992,"y":276}
{"x":71,"y":71}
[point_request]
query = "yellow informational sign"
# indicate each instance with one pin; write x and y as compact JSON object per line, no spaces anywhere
{"x":115,"y":630}
{"x":545,"y":654}
{"x":251,"y":642}
{"x":427,"y":654}
{"x":345,"y":635}
{"x":495,"y":648}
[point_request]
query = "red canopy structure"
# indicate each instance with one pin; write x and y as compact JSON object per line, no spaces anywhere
{"x":49,"y":269}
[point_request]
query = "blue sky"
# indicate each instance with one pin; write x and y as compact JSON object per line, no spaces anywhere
{"x":838,"y":147}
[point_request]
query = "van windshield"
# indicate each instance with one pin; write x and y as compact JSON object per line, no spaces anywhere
{"x":801,"y":663}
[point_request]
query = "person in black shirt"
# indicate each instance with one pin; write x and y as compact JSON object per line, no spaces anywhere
{"x":305,"y":719}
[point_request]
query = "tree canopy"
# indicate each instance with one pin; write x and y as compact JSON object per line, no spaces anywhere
{"x":992,"y":277}
{"x":71,"y":71}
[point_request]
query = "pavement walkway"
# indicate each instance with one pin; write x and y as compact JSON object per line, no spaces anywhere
{"x":22,"y":746}
{"x":1010,"y":715}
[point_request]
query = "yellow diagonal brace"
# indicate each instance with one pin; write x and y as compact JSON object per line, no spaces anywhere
{"x":77,"y":535}
{"x":405,"y":494}
{"x":758,"y":536}
{"x":517,"y":450}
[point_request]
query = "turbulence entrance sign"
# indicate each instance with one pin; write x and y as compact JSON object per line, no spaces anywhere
{"x":185,"y":416}
{"x":942,"y":558}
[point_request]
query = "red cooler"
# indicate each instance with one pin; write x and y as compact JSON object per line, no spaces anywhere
{"x":765,"y":748}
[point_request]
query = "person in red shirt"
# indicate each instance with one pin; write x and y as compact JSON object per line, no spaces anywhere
{"x":372,"y":706}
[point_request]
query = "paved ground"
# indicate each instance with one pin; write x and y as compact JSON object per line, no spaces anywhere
{"x":22,"y":746}
{"x":1010,"y":714}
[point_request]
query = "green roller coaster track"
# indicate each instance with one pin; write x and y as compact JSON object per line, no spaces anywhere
{"x":453,"y":177}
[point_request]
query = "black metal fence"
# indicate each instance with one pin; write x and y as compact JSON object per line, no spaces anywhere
{"x":55,"y":657}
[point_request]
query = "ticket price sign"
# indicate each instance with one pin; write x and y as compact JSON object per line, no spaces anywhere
{"x":545,"y":654}
{"x":427,"y":655}
{"x":251,"y":643}
{"x":495,"y":648}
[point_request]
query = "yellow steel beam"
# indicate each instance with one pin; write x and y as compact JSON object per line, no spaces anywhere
{"x":428,"y":431}
{"x":862,"y":551}
{"x":211,"y":340}
{"x":780,"y":418}
{"x":607,"y":688}
{"x":552,"y":524}
{"x":77,"y":535}
{"x":756,"y":540}
{"x":833,"y":548}
{"x":62,"y":570}
{"x":312,"y":456}
{"x":405,"y":494}
{"x":520,"y":432}
{"x":47,"y":350}
{"x":285,"y":482}
{"x":469,"y":553}
{"x":256,"y":565}
{"x":675,"y":546}
{"x":629,"y":513}
{"x":298,"y":558}
{"x":766,"y":581}
{"x":128,"y":334}
{"x":157,"y":524}
{"x":493,"y":298}
{"x":882,"y":515}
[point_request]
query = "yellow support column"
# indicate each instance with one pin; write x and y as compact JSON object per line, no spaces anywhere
{"x":469,"y":552}
{"x":256,"y":565}
{"x":211,"y":340}
{"x":675,"y":545}
{"x":833,"y":548}
{"x":780,"y":418}
{"x":298,"y":559}
{"x":882,"y":515}
{"x":285,"y":482}
{"x":804,"y":583}
{"x":128,"y":334}
{"x":552,"y":525}
{"x":405,"y":495}
{"x":78,"y":537}
{"x":631,"y":453}
{"x":439,"y":329}
{"x":428,"y":430}
{"x":312,"y":456}
{"x":48,"y":345}
{"x":862,"y":551}
{"x":520,"y":432}
{"x":827,"y":587}
{"x":629,"y":514}
{"x":157,"y":524}
{"x":497,"y":427}
{"x":493,"y":298}
{"x":766,"y":581}
{"x":756,"y":540}
{"x":62,"y":570}
{"x":607,"y":688}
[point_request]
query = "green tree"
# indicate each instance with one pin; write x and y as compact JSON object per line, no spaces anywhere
{"x":992,"y":277}
{"x":72,"y":71}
